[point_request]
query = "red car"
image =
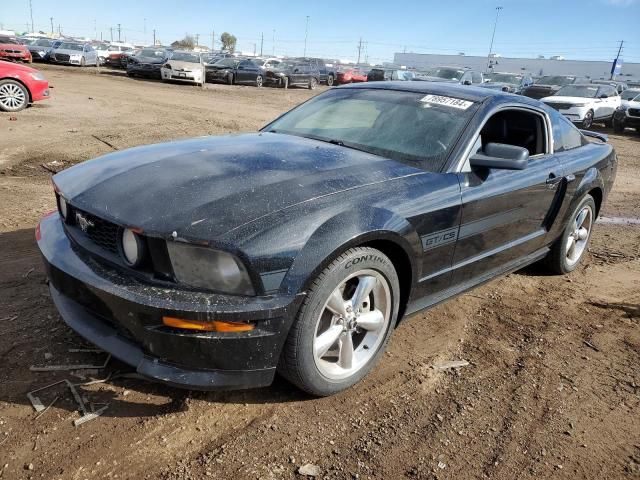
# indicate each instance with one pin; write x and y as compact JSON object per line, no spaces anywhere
{"x":20,"y":85}
{"x":11,"y":49}
{"x":351,"y":75}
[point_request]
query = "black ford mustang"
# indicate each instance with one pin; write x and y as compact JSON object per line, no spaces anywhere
{"x":215,"y":262}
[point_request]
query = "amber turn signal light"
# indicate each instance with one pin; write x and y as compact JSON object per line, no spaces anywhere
{"x":212,"y":326}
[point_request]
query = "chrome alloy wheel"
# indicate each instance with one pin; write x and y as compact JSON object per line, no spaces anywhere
{"x":12,"y":97}
{"x":578,"y":239}
{"x":352,"y":324}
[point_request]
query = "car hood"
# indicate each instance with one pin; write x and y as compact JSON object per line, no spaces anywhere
{"x":205,"y":187}
{"x":67,"y":51}
{"x":180,"y":65}
{"x":630,"y":104}
{"x":153,"y":60}
{"x":13,"y":46}
{"x":13,"y":67}
{"x":563,"y":99}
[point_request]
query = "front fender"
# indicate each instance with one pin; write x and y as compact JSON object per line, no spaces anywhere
{"x":345,"y":230}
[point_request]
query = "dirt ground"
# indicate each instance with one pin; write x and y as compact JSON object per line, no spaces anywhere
{"x":552,"y":389}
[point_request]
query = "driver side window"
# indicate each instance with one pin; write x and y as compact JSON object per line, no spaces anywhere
{"x":519,"y":128}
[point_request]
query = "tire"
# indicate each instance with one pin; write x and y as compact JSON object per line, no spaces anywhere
{"x":259,"y":81}
{"x":83,"y":62}
{"x":560,"y":260}
{"x":100,"y":61}
{"x":349,"y":350}
{"x":587,"y":121}
{"x":14,"y":96}
{"x":330,"y":80}
{"x":230,"y":79}
{"x":608,"y":122}
{"x":313,"y":83}
{"x":618,"y":127}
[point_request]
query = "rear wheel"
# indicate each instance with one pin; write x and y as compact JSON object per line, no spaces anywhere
{"x":344,"y":324}
{"x":569,"y":249}
{"x":13,"y":96}
{"x":259,"y":81}
{"x":587,"y":121}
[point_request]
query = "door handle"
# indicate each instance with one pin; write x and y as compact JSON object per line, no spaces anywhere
{"x":553,"y":179}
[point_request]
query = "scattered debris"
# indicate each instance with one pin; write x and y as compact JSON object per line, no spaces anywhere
{"x":39,"y":406}
{"x":309,"y":470}
{"x":56,"y":368}
{"x":47,"y":408}
{"x":105,"y":142}
{"x":89,"y":416}
{"x":29,"y":272}
{"x":13,"y":119}
{"x":591,"y":345}
{"x":450,"y":364}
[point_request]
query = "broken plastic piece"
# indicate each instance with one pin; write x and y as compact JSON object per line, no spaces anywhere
{"x":57,"y":368}
{"x":89,"y":416}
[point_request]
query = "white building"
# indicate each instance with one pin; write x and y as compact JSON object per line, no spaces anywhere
{"x":535,"y":66}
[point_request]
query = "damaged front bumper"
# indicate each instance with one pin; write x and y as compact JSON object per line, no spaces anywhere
{"x":123,"y":316}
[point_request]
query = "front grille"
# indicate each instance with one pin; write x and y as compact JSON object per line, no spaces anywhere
{"x":62,"y":57}
{"x":101,"y":232}
{"x":560,"y":106}
{"x":634,"y":112}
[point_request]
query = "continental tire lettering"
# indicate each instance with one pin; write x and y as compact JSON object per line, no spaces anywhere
{"x":365,"y":258}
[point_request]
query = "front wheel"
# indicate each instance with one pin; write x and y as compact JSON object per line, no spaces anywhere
{"x":618,"y":126}
{"x":330,"y":81}
{"x":568,"y":250}
{"x":344,"y":323}
{"x":230,"y":79}
{"x":13,"y":96}
{"x":83,"y":62}
{"x":587,"y":121}
{"x":259,"y":81}
{"x":313,"y":83}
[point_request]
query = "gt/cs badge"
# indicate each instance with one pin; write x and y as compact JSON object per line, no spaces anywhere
{"x":437,"y":239}
{"x":83,"y":222}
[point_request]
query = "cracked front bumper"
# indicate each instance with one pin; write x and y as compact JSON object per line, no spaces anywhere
{"x":123,"y":316}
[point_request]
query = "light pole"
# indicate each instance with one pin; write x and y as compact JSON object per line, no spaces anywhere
{"x":306,"y":33}
{"x":33,"y":29}
{"x":273,"y":43}
{"x":492,"y":37}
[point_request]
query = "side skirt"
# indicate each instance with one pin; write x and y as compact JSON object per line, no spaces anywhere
{"x":454,"y":291}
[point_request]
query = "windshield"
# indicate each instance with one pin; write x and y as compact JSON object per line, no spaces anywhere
{"x":186,"y":57}
{"x":70,"y":46}
{"x":10,"y":40}
{"x":42,"y":42}
{"x":152,"y":53}
{"x":226,"y":62}
{"x":409,"y":127}
{"x":554,"y":80}
{"x":629,"y":94}
{"x":578,"y":91}
{"x":448,"y":73}
{"x":502,"y":78}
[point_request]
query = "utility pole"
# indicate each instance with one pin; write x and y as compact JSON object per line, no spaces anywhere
{"x":615,"y":62}
{"x":273,"y":43}
{"x":111,"y":30}
{"x":306,"y":34}
{"x":359,"y":51}
{"x":144,"y":26}
{"x":119,"y":30}
{"x":213,"y":40}
{"x":59,"y":30}
{"x":261,"y":42}
{"x":33,"y":28}
{"x":51,"y":20}
{"x":95,"y":29}
{"x":492,"y":37}
{"x":154,"y":37}
{"x":197,"y":39}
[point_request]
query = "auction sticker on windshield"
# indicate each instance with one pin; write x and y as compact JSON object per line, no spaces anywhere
{"x":446,"y":101}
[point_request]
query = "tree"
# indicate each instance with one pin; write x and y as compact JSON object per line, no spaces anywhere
{"x":188,"y":42}
{"x":228,"y":42}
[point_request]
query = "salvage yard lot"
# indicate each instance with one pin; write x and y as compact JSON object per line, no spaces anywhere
{"x":552,"y":389}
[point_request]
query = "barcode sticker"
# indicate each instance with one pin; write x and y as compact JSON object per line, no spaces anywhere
{"x":446,"y":101}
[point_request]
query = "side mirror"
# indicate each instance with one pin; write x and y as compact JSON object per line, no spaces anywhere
{"x":501,"y":156}
{"x":604,"y":95}
{"x":467,"y":82}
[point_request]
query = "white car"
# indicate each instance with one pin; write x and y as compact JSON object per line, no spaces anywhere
{"x":184,"y":67}
{"x":628,"y":113}
{"x":584,"y":104}
{"x":104,"y":50}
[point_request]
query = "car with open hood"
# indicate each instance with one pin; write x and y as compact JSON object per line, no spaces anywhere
{"x":585,"y":103}
{"x":184,"y":66}
{"x":12,"y":50}
{"x":148,"y":62}
{"x":215,"y":262}
{"x":507,"y":82}
{"x":74,"y":53}
{"x":39,"y":48}
{"x":628,"y":113}
{"x":548,"y":85}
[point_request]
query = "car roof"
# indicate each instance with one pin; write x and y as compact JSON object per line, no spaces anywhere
{"x":465,"y":92}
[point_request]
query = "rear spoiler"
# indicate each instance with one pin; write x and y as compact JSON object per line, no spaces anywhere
{"x":600,"y":136}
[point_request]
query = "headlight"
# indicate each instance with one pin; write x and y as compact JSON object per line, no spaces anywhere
{"x":62,"y":206}
{"x":579,"y":105}
{"x":622,"y":108}
{"x":37,"y":75}
{"x":167,"y":66}
{"x":210,"y":269}
{"x":132,"y":248}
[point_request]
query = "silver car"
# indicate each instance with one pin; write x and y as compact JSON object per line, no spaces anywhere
{"x":73,"y":53}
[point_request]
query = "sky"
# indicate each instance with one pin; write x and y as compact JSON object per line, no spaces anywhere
{"x":575,"y":29}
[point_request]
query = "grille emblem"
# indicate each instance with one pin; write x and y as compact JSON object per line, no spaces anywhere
{"x":83,"y":223}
